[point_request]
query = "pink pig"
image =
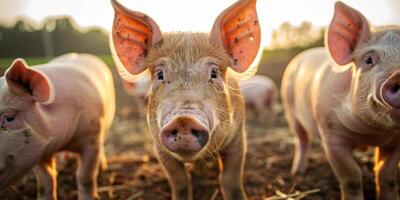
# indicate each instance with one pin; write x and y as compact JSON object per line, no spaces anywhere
{"x":351,"y":101}
{"x":139,"y":90}
{"x":67,"y":104}
{"x":260,"y":94}
{"x":195,"y":110}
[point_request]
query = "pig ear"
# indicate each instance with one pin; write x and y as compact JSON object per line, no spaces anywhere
{"x":133,"y":34}
{"x":237,"y":29}
{"x":23,"y":80}
{"x":347,"y":29}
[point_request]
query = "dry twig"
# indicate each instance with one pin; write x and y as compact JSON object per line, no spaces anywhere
{"x":297,"y":195}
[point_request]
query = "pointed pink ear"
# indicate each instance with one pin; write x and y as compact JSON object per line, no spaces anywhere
{"x":347,"y":29}
{"x":23,"y":80}
{"x":237,"y":29}
{"x":133,"y":34}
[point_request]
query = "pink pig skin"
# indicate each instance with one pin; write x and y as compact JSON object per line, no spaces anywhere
{"x":260,"y":93}
{"x":139,"y":90}
{"x":66,"y":104}
{"x":348,"y":93}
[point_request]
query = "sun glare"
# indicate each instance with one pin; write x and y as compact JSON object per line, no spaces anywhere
{"x":177,"y":15}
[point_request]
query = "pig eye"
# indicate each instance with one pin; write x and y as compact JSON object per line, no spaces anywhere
{"x":370,"y":59}
{"x":160,"y":75}
{"x":214,"y":73}
{"x":8,"y":118}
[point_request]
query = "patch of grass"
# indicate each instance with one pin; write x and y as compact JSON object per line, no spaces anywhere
{"x":107,"y":59}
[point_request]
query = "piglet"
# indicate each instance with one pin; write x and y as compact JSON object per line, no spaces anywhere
{"x":139,"y":91}
{"x":260,"y":94}
{"x":349,"y":93}
{"x":195,"y":109}
{"x":65,"y":105}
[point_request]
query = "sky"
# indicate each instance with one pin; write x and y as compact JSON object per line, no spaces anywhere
{"x":197,"y":15}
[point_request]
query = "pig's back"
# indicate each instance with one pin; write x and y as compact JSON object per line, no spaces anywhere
{"x":257,"y":85}
{"x":83,"y":79}
{"x":297,"y":83}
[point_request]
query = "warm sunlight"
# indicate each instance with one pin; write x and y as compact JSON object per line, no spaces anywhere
{"x":177,"y":15}
{"x":199,"y":99}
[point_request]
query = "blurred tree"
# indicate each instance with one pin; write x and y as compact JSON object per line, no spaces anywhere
{"x":57,"y":35}
{"x":288,"y":36}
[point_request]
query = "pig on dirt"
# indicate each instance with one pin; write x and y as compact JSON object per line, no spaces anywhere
{"x":139,"y":90}
{"x":260,"y":94}
{"x":195,"y":110}
{"x":65,"y":105}
{"x":351,"y":101}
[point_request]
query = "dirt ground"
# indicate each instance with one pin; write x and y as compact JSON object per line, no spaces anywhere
{"x":133,"y":172}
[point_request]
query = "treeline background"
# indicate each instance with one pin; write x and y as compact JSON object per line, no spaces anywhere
{"x":59,"y":35}
{"x":55,"y":37}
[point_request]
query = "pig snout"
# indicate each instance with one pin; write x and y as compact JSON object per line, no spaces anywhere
{"x":184,"y":135}
{"x":390,"y":90}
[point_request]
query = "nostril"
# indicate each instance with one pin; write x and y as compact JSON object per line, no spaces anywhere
{"x":390,"y":92}
{"x":201,"y":136}
{"x":395,"y":88}
{"x":174,"y":133}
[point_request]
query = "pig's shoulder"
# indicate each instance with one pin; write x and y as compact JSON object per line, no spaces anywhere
{"x":330,"y":89}
{"x":332,"y":81}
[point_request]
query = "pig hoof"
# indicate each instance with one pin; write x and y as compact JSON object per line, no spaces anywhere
{"x":182,"y":194}
{"x":296,"y":171}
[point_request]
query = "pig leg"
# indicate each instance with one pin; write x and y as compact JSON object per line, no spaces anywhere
{"x":46,"y":176}
{"x":103,"y":158}
{"x":265,"y":109}
{"x":178,"y":177}
{"x":231,"y":175}
{"x":88,"y":166}
{"x":262,"y":112}
{"x":339,"y":154}
{"x":302,"y":146}
{"x":386,"y":172}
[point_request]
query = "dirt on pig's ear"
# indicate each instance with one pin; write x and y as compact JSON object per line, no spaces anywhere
{"x":23,"y":80}
{"x":133,"y":34}
{"x":237,"y":29}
